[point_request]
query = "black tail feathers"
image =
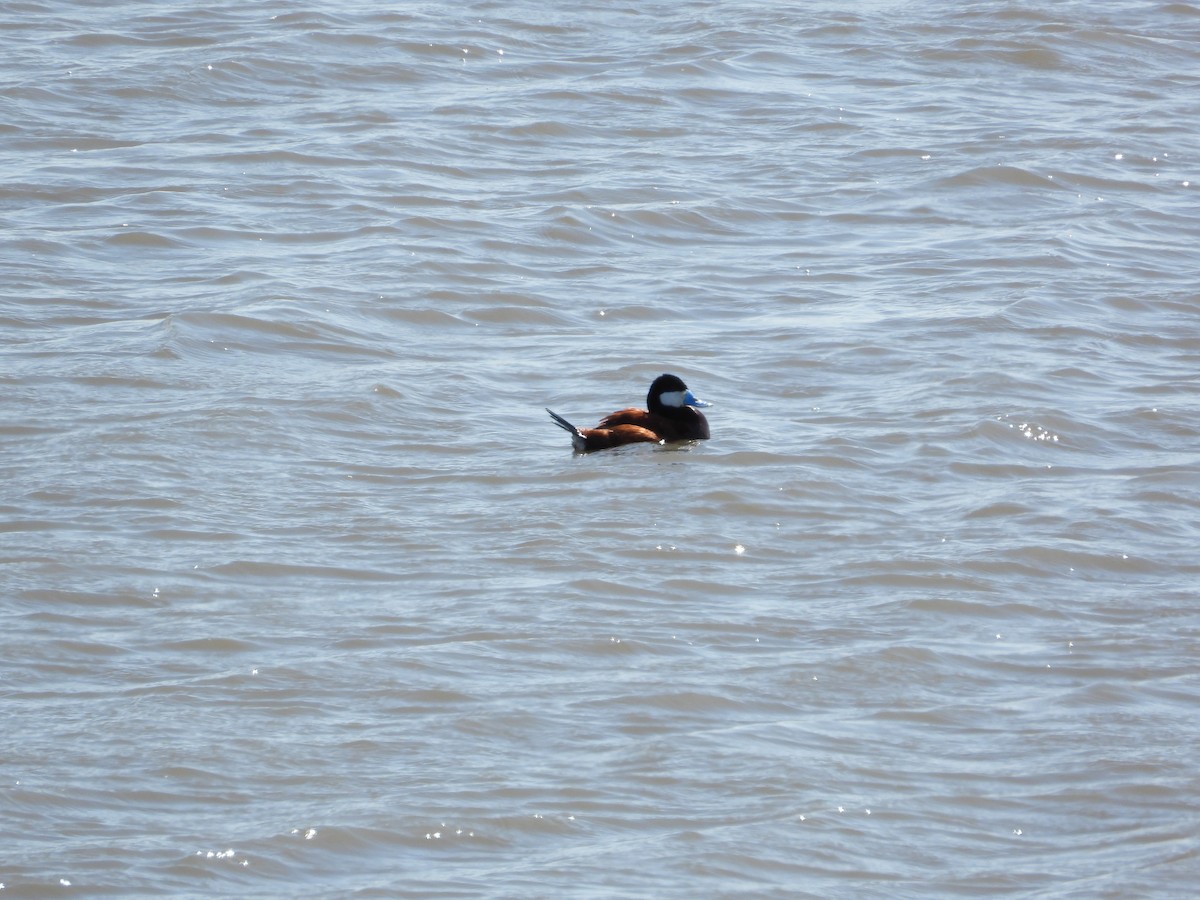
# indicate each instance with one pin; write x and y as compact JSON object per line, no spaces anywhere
{"x":561,"y":422}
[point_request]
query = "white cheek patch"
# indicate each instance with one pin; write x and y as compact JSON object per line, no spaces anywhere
{"x":671,"y":398}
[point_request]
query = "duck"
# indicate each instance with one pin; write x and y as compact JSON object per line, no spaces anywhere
{"x":672,"y":414}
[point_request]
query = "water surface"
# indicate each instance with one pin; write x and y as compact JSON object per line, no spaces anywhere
{"x":303,"y":595}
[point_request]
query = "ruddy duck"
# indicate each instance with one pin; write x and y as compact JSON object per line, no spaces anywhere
{"x":671,"y":417}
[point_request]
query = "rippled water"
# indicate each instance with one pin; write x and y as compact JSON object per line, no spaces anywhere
{"x":305,"y":596}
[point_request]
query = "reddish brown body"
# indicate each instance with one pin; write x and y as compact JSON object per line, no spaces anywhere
{"x":633,"y":425}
